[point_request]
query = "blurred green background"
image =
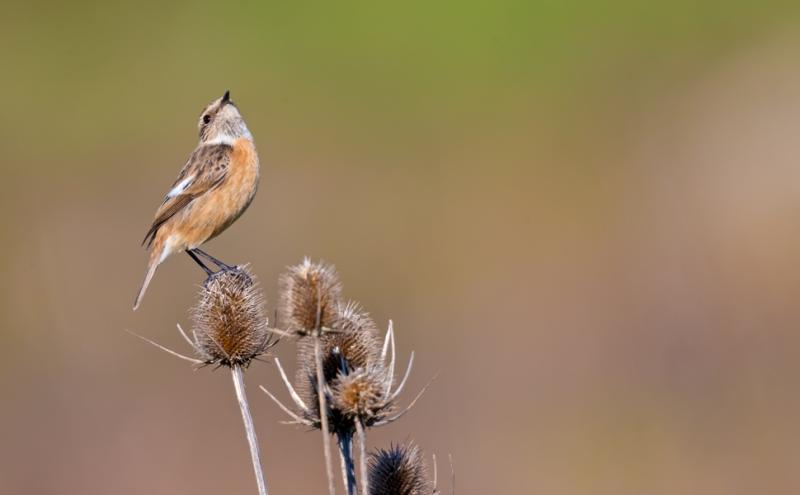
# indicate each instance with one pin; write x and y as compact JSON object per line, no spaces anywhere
{"x":584,"y":214}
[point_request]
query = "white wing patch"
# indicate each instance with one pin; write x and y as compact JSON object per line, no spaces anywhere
{"x":180,"y":187}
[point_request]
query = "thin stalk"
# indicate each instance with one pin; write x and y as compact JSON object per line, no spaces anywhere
{"x":348,"y":467}
{"x":323,"y":413}
{"x":362,"y":456}
{"x":344,"y":464}
{"x":238,"y":384}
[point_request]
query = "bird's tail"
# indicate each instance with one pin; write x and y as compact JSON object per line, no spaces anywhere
{"x":156,"y":257}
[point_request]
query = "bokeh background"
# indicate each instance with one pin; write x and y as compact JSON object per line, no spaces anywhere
{"x":583,"y":214}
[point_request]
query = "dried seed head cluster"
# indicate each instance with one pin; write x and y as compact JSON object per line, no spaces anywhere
{"x":351,"y":349}
{"x":398,"y":471}
{"x":358,"y":375}
{"x":230,"y":327}
{"x":343,"y":369}
{"x":310,"y":295}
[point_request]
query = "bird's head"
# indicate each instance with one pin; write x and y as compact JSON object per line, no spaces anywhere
{"x":221,"y":122}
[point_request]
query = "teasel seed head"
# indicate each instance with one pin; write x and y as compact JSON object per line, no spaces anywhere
{"x":362,"y":395}
{"x":353,"y":342}
{"x":230,"y":327}
{"x":399,"y":470}
{"x":310,"y":294}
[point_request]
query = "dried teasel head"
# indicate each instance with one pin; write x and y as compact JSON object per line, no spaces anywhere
{"x":230,"y":327}
{"x":362,"y":395}
{"x":310,"y":294}
{"x":398,"y":470}
{"x":353,"y":342}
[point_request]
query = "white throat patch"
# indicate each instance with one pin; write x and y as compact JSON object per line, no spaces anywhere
{"x":222,"y":139}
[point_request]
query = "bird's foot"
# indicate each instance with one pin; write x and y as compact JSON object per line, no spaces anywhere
{"x":221,"y":265}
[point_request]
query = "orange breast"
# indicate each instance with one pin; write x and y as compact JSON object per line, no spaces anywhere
{"x":240,"y":186}
{"x":216,"y":210}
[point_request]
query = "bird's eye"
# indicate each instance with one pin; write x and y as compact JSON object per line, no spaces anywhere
{"x":206,"y":118}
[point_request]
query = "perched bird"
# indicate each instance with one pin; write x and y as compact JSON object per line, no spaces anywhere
{"x":212,"y":190}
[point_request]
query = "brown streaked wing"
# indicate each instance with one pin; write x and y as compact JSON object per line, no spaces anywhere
{"x":209,"y":166}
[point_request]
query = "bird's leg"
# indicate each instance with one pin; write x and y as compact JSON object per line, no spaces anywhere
{"x":197,"y":260}
{"x":212,"y":259}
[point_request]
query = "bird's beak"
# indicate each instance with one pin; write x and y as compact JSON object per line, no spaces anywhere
{"x":226,"y":98}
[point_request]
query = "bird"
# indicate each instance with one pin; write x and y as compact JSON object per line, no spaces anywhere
{"x":215,"y":186}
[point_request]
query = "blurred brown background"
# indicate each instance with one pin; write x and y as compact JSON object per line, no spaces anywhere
{"x":585,"y":216}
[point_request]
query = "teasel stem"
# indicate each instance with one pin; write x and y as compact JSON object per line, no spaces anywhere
{"x":238,"y":384}
{"x":362,"y":455}
{"x":345,"y":441}
{"x":323,"y":413}
{"x":323,"y":405}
